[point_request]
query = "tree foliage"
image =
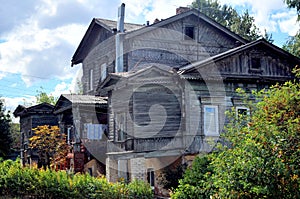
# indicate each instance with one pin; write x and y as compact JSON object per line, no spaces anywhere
{"x":292,"y":45}
{"x":5,"y":133}
{"x":294,"y":4}
{"x":42,"y":97}
{"x":262,"y":159}
{"x":50,"y":145}
{"x":242,"y":25}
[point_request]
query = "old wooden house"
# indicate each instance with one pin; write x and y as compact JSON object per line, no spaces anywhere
{"x":168,"y":86}
{"x":83,"y":119}
{"x":30,"y":118}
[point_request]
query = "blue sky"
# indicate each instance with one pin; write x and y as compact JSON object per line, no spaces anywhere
{"x":39,"y":37}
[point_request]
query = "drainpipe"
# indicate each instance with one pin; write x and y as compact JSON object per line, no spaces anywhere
{"x":120,"y":39}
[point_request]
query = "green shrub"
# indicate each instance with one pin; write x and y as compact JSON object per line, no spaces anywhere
{"x":19,"y":182}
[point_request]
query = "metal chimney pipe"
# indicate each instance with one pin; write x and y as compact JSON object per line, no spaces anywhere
{"x":121,"y":13}
{"x":119,"y":63}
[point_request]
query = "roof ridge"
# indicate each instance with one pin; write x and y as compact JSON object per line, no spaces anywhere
{"x":98,"y":18}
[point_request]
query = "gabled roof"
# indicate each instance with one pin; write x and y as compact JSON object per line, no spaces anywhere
{"x":183,"y":15}
{"x":74,"y":99}
{"x":112,"y":25}
{"x":132,"y":30}
{"x":112,"y":78}
{"x":236,"y":50}
{"x":39,"y":108}
{"x":109,"y":25}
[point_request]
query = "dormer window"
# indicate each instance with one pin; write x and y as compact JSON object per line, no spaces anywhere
{"x":189,"y":32}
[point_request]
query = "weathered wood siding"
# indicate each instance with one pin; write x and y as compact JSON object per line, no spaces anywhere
{"x":166,"y":45}
{"x":102,"y":52}
{"x":152,"y":106}
{"x":256,"y":62}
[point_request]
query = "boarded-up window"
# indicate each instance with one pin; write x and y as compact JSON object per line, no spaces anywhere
{"x":211,"y":120}
{"x":91,"y":80}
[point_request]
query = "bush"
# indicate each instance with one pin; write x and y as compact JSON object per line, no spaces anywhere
{"x":17,"y":181}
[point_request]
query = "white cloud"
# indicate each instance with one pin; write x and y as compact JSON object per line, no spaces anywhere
{"x":289,"y":26}
{"x":40,"y":37}
{"x":263,"y":12}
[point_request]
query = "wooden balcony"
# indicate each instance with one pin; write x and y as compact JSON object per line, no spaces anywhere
{"x":146,"y":144}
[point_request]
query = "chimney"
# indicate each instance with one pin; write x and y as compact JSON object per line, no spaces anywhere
{"x":119,"y":63}
{"x":182,"y":10}
{"x":121,"y":13}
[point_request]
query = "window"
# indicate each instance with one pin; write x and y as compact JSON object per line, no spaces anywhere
{"x":240,"y":110}
{"x":189,"y":32}
{"x":90,"y":171}
{"x":211,"y":120}
{"x":91,"y":80}
{"x":103,"y":71}
{"x":242,"y":113}
{"x":120,"y":127}
{"x":94,"y":131}
{"x":255,"y":63}
{"x":123,"y":169}
{"x":150,"y":177}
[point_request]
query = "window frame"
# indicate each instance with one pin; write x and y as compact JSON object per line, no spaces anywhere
{"x":91,"y":79}
{"x":241,"y":107}
{"x":188,"y":37}
{"x":206,"y":131}
{"x":103,"y":68}
{"x":151,"y":177}
{"x":120,"y":127}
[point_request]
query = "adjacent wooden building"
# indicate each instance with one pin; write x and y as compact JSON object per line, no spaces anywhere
{"x":168,"y":85}
{"x":30,"y":118}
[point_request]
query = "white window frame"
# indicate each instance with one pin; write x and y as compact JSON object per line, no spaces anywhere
{"x":206,"y":129}
{"x":241,"y":107}
{"x":91,"y":80}
{"x":150,"y":174}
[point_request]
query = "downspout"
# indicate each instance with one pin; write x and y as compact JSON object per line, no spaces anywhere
{"x":119,"y":64}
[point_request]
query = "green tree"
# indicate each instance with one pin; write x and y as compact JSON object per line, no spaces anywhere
{"x":229,"y":17}
{"x":294,"y":4}
{"x":196,"y":182}
{"x":261,"y":157}
{"x":292,"y":45}
{"x":15,"y":135}
{"x":42,"y":97}
{"x":5,"y":135}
